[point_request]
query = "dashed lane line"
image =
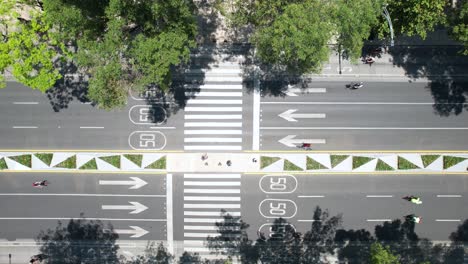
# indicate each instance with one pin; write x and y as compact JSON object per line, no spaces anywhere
{"x":85,"y":195}
{"x":364,"y":128}
{"x":448,"y":220}
{"x":101,"y":219}
{"x":379,"y":196}
{"x":449,"y":196}
{"x":24,"y":126}
{"x":90,"y":127}
{"x":25,"y":103}
{"x":378,"y":220}
{"x":311,"y":196}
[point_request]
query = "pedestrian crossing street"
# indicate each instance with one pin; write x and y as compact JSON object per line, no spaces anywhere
{"x":213,"y":115}
{"x":205,"y":195}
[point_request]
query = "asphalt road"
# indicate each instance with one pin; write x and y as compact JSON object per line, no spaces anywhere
{"x":381,"y":115}
{"x":185,"y":213}
{"x":28,"y":121}
{"x":28,"y":210}
{"x":363,"y":200}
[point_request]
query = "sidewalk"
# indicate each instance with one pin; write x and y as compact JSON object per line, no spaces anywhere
{"x":431,"y":162}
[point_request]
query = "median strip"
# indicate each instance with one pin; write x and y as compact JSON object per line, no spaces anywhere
{"x":304,"y":162}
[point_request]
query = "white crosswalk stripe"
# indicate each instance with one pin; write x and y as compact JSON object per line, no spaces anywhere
{"x":219,"y":98}
{"x":202,"y":207}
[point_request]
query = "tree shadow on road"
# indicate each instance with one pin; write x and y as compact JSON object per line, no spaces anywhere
{"x":80,"y":241}
{"x":445,"y":69}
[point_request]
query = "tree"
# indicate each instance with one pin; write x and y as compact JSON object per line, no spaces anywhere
{"x":460,"y":25}
{"x":382,"y":255}
{"x":30,"y":49}
{"x":354,"y":245}
{"x":320,"y":239}
{"x":233,"y":240}
{"x":354,"y":21}
{"x":153,"y":255}
{"x":80,"y":241}
{"x":297,"y":38}
{"x":414,"y":17}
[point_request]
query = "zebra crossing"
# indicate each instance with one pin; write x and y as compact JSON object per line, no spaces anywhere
{"x":213,"y":115}
{"x":205,"y":195}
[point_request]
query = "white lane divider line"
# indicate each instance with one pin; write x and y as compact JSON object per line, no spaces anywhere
{"x":221,"y":94}
{"x":212,"y":198}
{"x":214,"y":86}
{"x":90,"y":127}
{"x":379,"y":196}
{"x":211,"y":176}
{"x":163,"y":127}
{"x":214,"y":140}
{"x":216,"y":213}
{"x":449,"y":196}
{"x":448,"y":220}
{"x":213,"y":132}
{"x":26,"y":103}
{"x":215,"y":147}
{"x":200,"y":235}
{"x":24,"y":126}
{"x":213,"y":206}
{"x":308,"y":220}
{"x":213,"y":124}
{"x":378,"y":220}
{"x":212,"y":183}
{"x":231,"y":191}
{"x":208,"y":101}
{"x":87,"y":218}
{"x":169,"y":215}
{"x":209,"y":228}
{"x":364,"y":128}
{"x":212,"y":109}
{"x":311,"y":196}
{"x":211,"y":117}
{"x":203,"y":220}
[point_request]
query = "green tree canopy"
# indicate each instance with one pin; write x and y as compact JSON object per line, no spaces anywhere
{"x":460,"y":25}
{"x":354,"y":21}
{"x":120,"y":44}
{"x":382,"y":255}
{"x":414,"y":17}
{"x":80,"y":241}
{"x":297,"y":38}
{"x":29,"y":48}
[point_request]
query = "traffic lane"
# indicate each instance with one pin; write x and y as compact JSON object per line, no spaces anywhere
{"x":359,"y":211}
{"x":84,"y":183}
{"x":59,"y":207}
{"x":362,"y":139}
{"x":348,"y":195}
{"x":29,"y":229}
{"x":339,"y":115}
{"x":336,"y":91}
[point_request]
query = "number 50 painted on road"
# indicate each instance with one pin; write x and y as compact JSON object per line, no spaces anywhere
{"x":278,"y":183}
{"x":275,"y":208}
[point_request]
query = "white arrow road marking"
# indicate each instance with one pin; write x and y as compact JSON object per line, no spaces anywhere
{"x":293,"y":91}
{"x":290,"y":116}
{"x":135,"y":231}
{"x":136,"y":207}
{"x":136,"y":182}
{"x":289,"y":141}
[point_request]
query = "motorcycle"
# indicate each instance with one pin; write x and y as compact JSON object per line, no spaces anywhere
{"x":413,"y":218}
{"x":40,"y":184}
{"x":413,"y":199}
{"x":355,"y":85}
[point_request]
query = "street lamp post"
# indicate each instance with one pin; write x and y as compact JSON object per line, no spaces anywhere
{"x":389,"y":20}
